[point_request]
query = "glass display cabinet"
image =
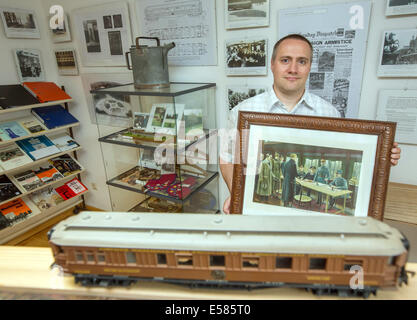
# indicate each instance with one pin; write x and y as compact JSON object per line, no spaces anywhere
{"x":159,"y":147}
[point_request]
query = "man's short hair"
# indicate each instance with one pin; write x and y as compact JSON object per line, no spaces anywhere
{"x":292,"y":36}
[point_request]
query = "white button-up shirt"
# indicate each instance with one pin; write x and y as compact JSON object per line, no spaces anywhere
{"x":309,"y":105}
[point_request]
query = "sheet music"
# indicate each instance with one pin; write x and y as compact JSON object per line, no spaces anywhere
{"x":190,"y":24}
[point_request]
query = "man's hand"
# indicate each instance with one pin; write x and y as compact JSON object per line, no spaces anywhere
{"x":226,"y":206}
{"x":395,"y":154}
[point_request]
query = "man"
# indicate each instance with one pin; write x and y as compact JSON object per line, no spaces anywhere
{"x":276,"y":171}
{"x":264,"y":184}
{"x":289,"y":171}
{"x":309,"y":176}
{"x":322,"y":176}
{"x":340,"y":183}
{"x":290,"y":65}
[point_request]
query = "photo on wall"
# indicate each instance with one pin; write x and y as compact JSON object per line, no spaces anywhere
{"x":400,"y":7}
{"x":398,"y":57}
{"x":66,"y":62}
{"x":237,"y":94}
{"x":29,"y":65}
{"x":246,"y":14}
{"x":62,"y":34}
{"x":246,"y":57}
{"x":104,"y":34}
{"x":19,"y":23}
{"x":108,"y":108}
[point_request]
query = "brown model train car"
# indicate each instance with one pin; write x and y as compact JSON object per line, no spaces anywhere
{"x":316,"y":253}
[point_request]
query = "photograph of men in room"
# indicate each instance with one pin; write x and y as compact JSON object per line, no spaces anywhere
{"x":307,"y":177}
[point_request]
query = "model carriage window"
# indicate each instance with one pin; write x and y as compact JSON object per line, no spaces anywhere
{"x":131,"y":257}
{"x":317,"y":264}
{"x":283,"y":263}
{"x":352,"y":263}
{"x":90,"y":257}
{"x":101,"y":257}
{"x":250,"y":262}
{"x":161,"y":258}
{"x":185,"y":260}
{"x":79,"y":256}
{"x":217,"y":261}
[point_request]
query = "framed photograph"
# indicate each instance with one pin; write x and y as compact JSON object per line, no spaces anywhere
{"x":246,"y":57}
{"x":156,"y":118}
{"x":237,"y":94}
{"x":400,"y":7}
{"x":398,"y":56}
{"x":20,"y":23}
{"x":104,"y":34}
{"x":246,"y":14}
{"x":66,"y":62}
{"x":64,"y":34}
{"x":108,"y":109}
{"x":140,"y":120}
{"x":29,"y":65}
{"x":173,"y":117}
{"x":300,"y":165}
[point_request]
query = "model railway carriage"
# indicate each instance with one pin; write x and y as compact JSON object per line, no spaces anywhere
{"x":315,"y":253}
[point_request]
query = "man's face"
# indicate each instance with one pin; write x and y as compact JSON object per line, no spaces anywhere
{"x":291,"y":66}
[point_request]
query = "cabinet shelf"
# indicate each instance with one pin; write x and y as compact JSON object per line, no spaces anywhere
{"x":31,"y":164}
{"x":72,"y":175}
{"x":201,"y":183}
{"x":37,"y":105}
{"x":41,"y":133}
{"x":175,"y":89}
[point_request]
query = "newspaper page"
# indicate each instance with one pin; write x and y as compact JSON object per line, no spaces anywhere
{"x":189,"y":24}
{"x":338,"y":34}
{"x":400,"y":106}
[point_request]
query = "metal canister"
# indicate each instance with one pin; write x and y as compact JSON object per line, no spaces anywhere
{"x":149,"y":64}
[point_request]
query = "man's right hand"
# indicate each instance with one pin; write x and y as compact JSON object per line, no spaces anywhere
{"x":226,"y":206}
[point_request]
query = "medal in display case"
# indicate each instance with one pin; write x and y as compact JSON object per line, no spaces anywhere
{"x":159,"y":147}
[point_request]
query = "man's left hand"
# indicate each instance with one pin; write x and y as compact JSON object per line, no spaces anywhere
{"x":395,"y":154}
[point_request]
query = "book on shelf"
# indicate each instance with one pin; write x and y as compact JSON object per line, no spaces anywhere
{"x":63,"y":141}
{"x":28,"y":180}
{"x":47,"y":172}
{"x":15,"y":95}
{"x":46,"y":198}
{"x":31,"y":124}
{"x":71,"y":189}
{"x":38,"y":147}
{"x":13,"y":129}
{"x":46,"y":91}
{"x":8,"y":190}
{"x":54,"y":116}
{"x":65,"y":164}
{"x":11,"y":157}
{"x":15,"y":210}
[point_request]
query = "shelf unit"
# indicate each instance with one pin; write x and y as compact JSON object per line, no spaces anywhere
{"x":123,"y":147}
{"x":38,"y":217}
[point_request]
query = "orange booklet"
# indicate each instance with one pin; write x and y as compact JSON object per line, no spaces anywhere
{"x":13,"y":209}
{"x":46,"y":91}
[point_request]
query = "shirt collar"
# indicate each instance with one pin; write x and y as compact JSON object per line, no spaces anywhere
{"x":275,"y":102}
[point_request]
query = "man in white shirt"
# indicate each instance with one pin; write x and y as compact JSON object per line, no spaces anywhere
{"x":290,"y":65}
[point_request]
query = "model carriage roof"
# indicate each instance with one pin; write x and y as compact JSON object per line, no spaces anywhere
{"x":208,"y":232}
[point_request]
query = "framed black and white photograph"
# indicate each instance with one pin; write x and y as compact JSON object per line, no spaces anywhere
{"x":62,"y":34}
{"x":104,"y":34}
{"x":400,"y":7}
{"x":20,"y":23}
{"x":29,"y":65}
{"x":108,"y":109}
{"x":66,"y":62}
{"x":398,"y":56}
{"x":237,"y":94}
{"x":311,"y":166}
{"x":246,"y":14}
{"x":246,"y":57}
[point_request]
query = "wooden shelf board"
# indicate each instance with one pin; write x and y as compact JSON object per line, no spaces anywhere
{"x":37,"y":105}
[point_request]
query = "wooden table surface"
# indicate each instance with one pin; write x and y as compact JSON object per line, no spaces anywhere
{"x":27,"y":270}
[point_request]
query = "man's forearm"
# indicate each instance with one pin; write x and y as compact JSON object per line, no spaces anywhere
{"x":226,"y":168}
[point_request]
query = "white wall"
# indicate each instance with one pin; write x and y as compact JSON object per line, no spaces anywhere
{"x":405,"y":172}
